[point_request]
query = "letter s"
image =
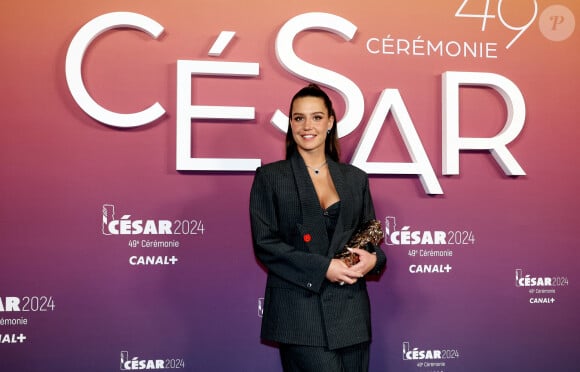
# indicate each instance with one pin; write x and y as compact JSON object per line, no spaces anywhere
{"x":292,"y":63}
{"x":74,"y":61}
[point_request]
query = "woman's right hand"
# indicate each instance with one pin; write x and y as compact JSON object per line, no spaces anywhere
{"x":339,"y":272}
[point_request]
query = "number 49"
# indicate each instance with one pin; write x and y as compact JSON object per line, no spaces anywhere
{"x":486,"y":14}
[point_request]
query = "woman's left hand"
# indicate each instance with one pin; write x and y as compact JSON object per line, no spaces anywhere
{"x":367,"y":261}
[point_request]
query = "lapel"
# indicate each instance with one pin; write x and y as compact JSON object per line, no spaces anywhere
{"x":345,"y":206}
{"x":312,"y":213}
{"x":312,"y":218}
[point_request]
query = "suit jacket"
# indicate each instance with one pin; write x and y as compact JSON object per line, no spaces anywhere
{"x":300,"y":305}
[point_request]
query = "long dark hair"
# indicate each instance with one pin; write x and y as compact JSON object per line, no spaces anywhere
{"x":331,"y":146}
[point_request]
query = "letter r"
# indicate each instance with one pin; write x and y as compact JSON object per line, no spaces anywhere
{"x":452,"y":143}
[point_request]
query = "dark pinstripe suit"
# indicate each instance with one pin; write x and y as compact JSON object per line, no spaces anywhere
{"x":301,"y":306}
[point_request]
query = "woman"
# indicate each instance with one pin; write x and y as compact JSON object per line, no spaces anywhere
{"x":303,"y":210}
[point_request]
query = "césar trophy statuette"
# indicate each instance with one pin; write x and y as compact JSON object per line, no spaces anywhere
{"x":366,"y":236}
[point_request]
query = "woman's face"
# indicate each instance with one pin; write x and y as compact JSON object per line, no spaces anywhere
{"x":310,"y":122}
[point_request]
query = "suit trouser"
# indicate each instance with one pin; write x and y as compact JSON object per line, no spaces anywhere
{"x":298,"y":358}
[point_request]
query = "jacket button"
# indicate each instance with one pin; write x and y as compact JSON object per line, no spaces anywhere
{"x":309,"y":285}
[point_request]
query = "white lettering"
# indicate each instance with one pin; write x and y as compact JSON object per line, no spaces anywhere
{"x":542,"y":300}
{"x":419,"y":47}
{"x":430,"y":269}
{"x":10,"y":304}
{"x":418,"y":354}
{"x":186,"y":111}
{"x":452,"y":143}
{"x":74,"y":61}
{"x":126,"y":226}
{"x":292,"y":63}
{"x":528,"y":281}
{"x":391,"y":99}
{"x":152,"y":260}
{"x":406,"y":237}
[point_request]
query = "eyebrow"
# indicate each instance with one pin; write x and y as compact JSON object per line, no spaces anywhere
{"x":313,"y":113}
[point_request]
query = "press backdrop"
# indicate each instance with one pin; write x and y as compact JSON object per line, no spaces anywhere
{"x":131,"y":130}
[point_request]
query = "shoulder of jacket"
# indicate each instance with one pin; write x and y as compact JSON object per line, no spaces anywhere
{"x":276,"y":166}
{"x":277,"y":170}
{"x":351,"y":170}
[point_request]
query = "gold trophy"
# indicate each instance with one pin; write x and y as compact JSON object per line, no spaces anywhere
{"x":366,"y":236}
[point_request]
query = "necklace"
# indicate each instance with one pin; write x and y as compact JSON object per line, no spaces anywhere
{"x":316,"y":169}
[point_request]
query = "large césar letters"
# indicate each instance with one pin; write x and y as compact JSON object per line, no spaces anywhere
{"x":74,"y":61}
{"x":389,"y":101}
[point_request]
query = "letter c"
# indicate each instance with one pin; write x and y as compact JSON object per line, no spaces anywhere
{"x":113,"y":227}
{"x":74,"y":61}
{"x":372,"y":51}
